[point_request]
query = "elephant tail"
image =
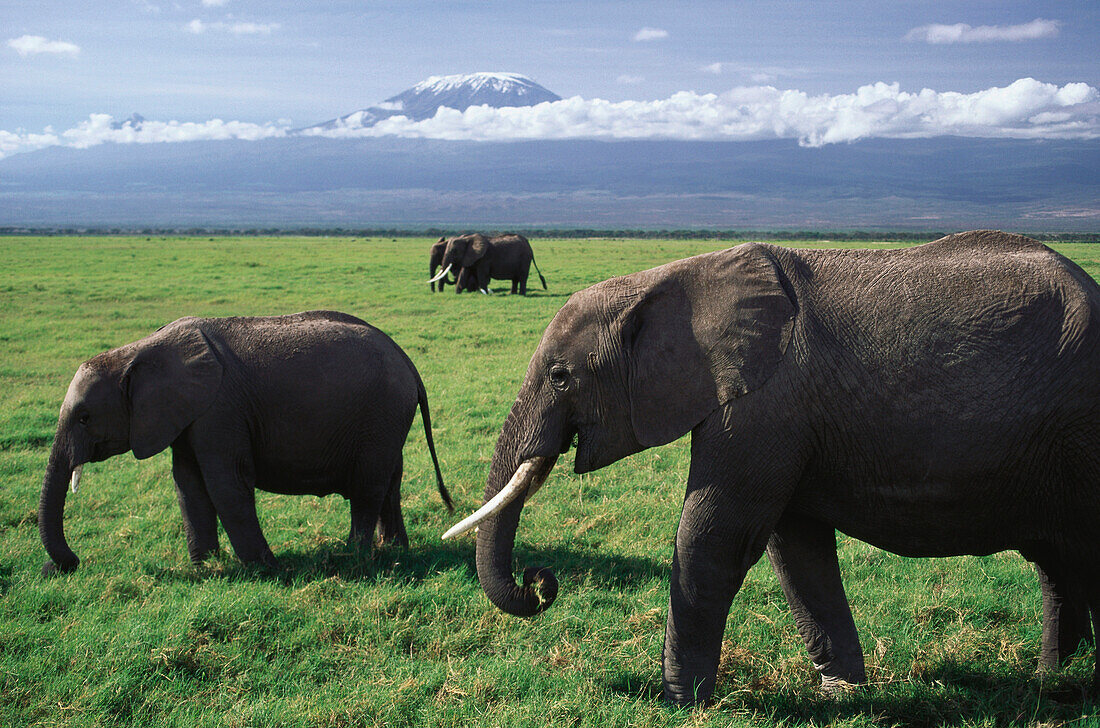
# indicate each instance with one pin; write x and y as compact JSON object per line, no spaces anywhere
{"x":422,"y":400}
{"x":538,"y":271}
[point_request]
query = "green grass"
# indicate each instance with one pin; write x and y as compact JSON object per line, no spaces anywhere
{"x":405,"y":638}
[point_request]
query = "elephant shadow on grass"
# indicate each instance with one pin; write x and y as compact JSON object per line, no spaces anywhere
{"x":417,"y":563}
{"x":951,"y":693}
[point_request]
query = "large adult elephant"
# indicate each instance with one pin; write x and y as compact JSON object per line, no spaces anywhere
{"x":313,"y":403}
{"x":934,"y":401}
{"x":476,"y":259}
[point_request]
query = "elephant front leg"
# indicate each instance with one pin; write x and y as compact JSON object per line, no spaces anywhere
{"x":718,"y":540}
{"x":802,"y":552}
{"x":200,"y":520}
{"x":231,"y":482}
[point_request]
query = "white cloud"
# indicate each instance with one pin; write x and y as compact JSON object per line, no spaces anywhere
{"x":214,"y":3}
{"x":650,"y":34}
{"x":715,"y":68}
{"x":30,"y":45}
{"x":248,"y":28}
{"x":236,"y":28}
{"x":1025,"y":109}
{"x":630,"y":80}
{"x":963,"y":33}
{"x":98,"y":129}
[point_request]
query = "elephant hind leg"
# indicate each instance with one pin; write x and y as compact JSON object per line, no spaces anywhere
{"x":1066,"y":619}
{"x":371,"y":503}
{"x":802,"y":552}
{"x":391,"y":524}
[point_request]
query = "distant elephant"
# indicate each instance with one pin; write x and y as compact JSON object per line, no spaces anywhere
{"x":435,"y":260}
{"x":475,"y":260}
{"x":312,"y":403}
{"x":934,"y":401}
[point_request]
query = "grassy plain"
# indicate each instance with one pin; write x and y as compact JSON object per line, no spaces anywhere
{"x":405,"y":638}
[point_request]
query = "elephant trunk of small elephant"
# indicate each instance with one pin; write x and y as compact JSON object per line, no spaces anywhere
{"x":442,"y":274}
{"x":51,"y":510}
{"x":497,"y":533}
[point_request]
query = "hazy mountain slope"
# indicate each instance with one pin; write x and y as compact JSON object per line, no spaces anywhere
{"x":931,"y":183}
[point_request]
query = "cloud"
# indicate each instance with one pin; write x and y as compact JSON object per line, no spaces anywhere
{"x":715,"y":68}
{"x":31,"y":45}
{"x":102,"y":128}
{"x":1025,"y":109}
{"x":630,"y":80}
{"x":214,"y":3}
{"x":963,"y":33}
{"x":650,"y":34}
{"x":197,"y":27}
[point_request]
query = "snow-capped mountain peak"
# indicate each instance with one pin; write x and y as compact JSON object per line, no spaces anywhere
{"x":459,"y":91}
{"x":505,"y":83}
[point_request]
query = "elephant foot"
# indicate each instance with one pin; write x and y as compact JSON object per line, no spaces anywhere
{"x":837,"y":687}
{"x":398,"y":540}
{"x":267,"y":561}
{"x":49,"y":568}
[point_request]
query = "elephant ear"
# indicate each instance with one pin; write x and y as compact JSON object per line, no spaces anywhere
{"x":702,"y":332}
{"x":476,"y":250}
{"x":169,"y":383}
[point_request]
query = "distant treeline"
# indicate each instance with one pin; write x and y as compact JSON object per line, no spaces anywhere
{"x":839,"y":235}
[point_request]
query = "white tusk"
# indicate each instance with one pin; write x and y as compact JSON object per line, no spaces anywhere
{"x":75,"y":482}
{"x":484,"y":291}
{"x":445,"y":272}
{"x":528,"y":478}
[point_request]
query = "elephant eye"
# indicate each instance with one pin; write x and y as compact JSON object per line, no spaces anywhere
{"x":559,"y":377}
{"x":83,"y":419}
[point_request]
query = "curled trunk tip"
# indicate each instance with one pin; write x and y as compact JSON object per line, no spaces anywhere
{"x":496,"y":539}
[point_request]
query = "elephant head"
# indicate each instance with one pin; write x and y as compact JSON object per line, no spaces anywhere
{"x":435,"y":261}
{"x":463,"y":252}
{"x":628,"y":364}
{"x":138,"y":397}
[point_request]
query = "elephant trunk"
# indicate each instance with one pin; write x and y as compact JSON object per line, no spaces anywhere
{"x":51,"y":510}
{"x":511,"y":477}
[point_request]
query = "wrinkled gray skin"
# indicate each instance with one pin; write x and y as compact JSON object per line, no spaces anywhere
{"x":435,"y":258}
{"x":934,"y":401}
{"x":479,"y":259}
{"x":313,"y":403}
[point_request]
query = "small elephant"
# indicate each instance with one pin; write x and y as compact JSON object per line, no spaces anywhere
{"x":435,"y":260}
{"x":933,"y":401}
{"x":313,"y":403}
{"x":476,"y":259}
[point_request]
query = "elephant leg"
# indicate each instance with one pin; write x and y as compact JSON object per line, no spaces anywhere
{"x":515,"y":286}
{"x":522,"y":286}
{"x":231,"y":483}
{"x":732,"y":504}
{"x":368,"y":501}
{"x":802,"y":552}
{"x":391,"y":524}
{"x":200,"y":519}
{"x":1066,"y":619}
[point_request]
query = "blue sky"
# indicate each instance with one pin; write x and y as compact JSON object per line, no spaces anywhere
{"x":295,"y":63}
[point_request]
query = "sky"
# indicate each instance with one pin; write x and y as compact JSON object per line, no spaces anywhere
{"x":747,"y":69}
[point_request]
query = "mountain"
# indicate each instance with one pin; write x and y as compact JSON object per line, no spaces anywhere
{"x":456,"y":92}
{"x":940,"y":184}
